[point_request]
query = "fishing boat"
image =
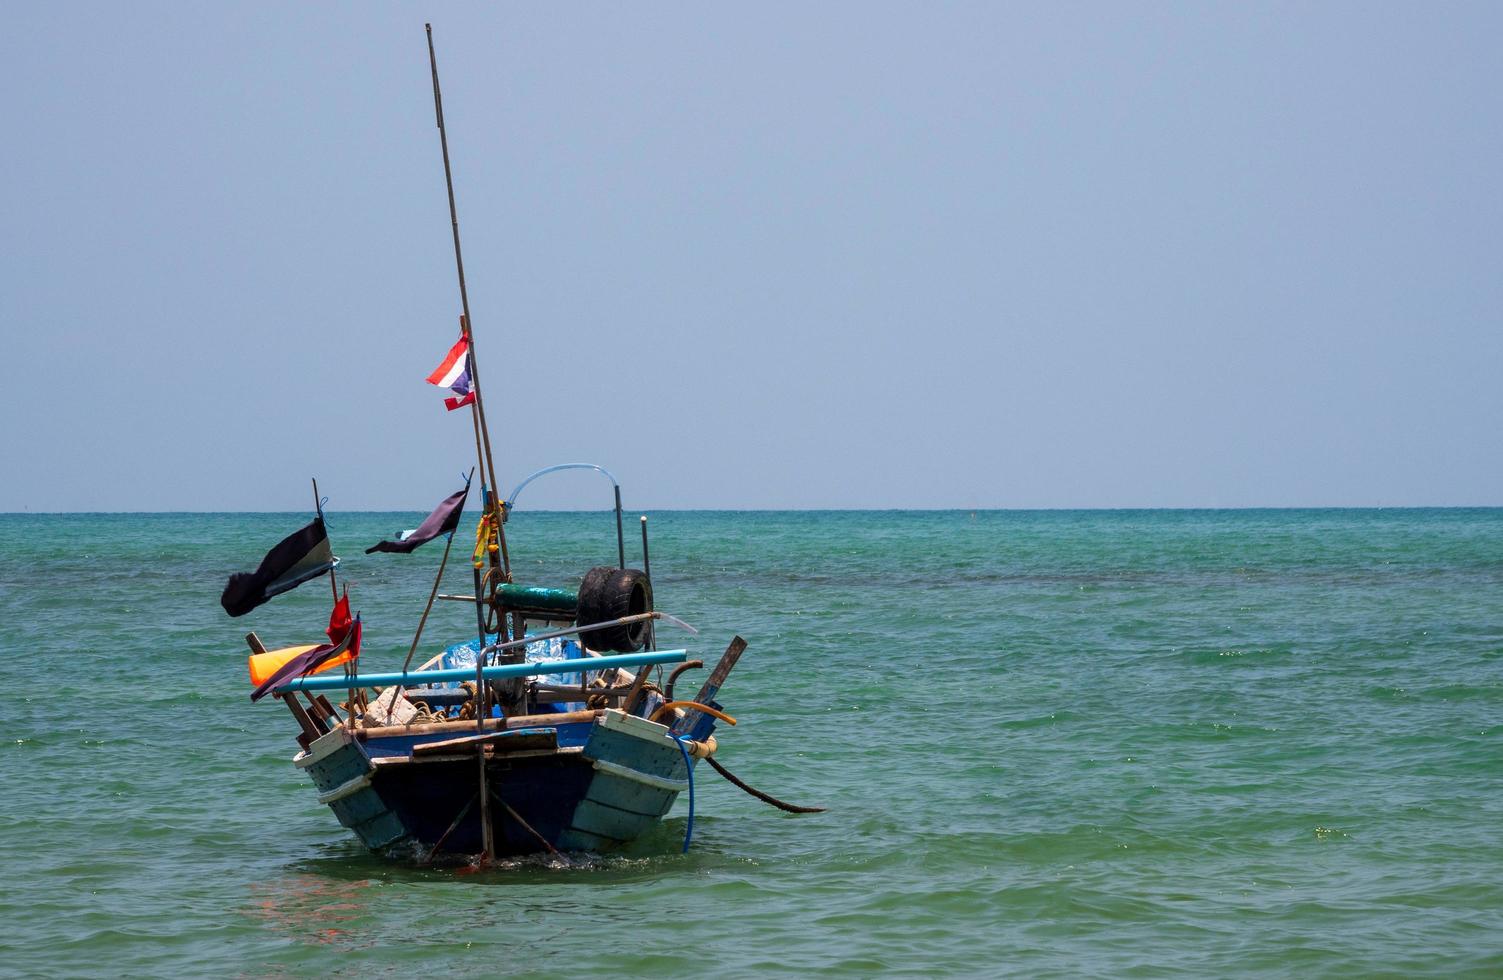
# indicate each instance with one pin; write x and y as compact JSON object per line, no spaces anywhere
{"x":552,"y":726}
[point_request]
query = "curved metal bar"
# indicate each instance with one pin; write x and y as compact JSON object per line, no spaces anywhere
{"x":511,"y":501}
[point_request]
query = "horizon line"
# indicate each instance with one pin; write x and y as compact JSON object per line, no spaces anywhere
{"x":786,"y":510}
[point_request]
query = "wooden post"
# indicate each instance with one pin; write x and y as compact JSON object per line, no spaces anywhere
{"x":486,"y":843}
{"x":652,"y":632}
{"x":620,"y":536}
{"x":712,"y":685}
{"x":309,"y":729}
{"x":353,"y":668}
{"x":464,"y":331}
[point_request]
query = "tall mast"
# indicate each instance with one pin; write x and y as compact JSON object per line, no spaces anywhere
{"x":492,"y":519}
{"x":477,"y":407}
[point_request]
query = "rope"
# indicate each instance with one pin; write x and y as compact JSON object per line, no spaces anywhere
{"x":477,"y":557}
{"x":491,"y":613}
{"x":424,"y":715}
{"x":764,"y":797}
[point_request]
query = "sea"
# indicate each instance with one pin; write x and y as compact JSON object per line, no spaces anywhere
{"x":1050,"y":744}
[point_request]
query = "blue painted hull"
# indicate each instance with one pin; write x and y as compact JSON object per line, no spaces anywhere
{"x":595,"y":787}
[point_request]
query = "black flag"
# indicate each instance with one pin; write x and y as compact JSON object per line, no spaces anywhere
{"x":302,"y":555}
{"x":445,"y":518}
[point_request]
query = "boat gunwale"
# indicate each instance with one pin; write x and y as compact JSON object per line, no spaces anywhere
{"x":490,"y":724}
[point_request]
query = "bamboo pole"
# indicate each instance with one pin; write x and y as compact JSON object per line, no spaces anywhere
{"x":310,"y":729}
{"x":489,"y":465}
{"x":352,"y":668}
{"x":318,"y":508}
{"x":464,"y":331}
{"x":423,"y":621}
{"x":620,"y":536}
{"x":479,"y":403}
{"x":416,"y":637}
{"x":652,"y":635}
{"x":437,"y":580}
{"x":486,"y":843}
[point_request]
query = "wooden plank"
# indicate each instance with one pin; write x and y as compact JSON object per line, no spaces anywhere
{"x":606,"y":821}
{"x":310,"y":731}
{"x":616,"y":791}
{"x":468,"y":755}
{"x":514,"y":741}
{"x":712,"y":685}
{"x":326,"y":720}
{"x":326,"y":707}
{"x":445,"y":727}
{"x":656,"y":758}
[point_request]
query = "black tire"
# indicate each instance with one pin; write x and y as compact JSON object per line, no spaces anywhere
{"x":610,"y":593}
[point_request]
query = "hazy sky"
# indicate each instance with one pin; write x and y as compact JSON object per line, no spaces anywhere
{"x":802,"y":255}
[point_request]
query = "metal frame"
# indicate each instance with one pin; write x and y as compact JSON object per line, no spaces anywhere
{"x":511,"y":501}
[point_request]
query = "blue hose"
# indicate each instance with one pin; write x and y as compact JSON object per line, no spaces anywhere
{"x":689,"y":830}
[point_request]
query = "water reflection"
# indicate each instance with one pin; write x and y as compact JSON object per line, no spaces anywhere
{"x":312,"y":908}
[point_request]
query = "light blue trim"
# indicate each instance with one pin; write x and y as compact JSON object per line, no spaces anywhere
{"x":414,"y":678}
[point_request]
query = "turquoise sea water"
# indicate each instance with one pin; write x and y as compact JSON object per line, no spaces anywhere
{"x":1194,"y":743}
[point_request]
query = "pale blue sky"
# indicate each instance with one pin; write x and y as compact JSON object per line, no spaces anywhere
{"x":785,"y":255}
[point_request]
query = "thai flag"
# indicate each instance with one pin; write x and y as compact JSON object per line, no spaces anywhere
{"x":454,"y":374}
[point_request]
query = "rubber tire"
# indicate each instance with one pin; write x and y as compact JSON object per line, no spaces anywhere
{"x":610,"y":593}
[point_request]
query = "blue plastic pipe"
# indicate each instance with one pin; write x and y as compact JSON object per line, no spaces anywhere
{"x":339,"y":682}
{"x":688,"y":767}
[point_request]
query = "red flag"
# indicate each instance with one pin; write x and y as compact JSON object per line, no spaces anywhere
{"x":339,"y":618}
{"x":344,"y":635}
{"x":354,"y":646}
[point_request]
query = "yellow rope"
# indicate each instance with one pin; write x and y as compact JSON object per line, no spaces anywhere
{"x":478,"y":555}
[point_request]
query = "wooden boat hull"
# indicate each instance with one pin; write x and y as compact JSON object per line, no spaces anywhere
{"x":577,"y":786}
